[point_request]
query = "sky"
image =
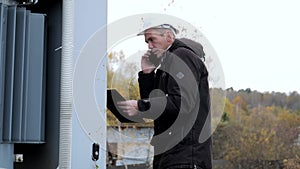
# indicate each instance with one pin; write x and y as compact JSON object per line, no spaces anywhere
{"x":256,"y":41}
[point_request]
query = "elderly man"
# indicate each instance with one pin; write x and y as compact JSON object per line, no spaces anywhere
{"x":175,"y":94}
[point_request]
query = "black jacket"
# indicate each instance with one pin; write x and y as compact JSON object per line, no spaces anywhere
{"x":180,"y":107}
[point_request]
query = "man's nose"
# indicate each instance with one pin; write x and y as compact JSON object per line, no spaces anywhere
{"x":150,"y":45}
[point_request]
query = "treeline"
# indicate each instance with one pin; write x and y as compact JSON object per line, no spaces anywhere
{"x":258,"y":130}
{"x":254,"y":98}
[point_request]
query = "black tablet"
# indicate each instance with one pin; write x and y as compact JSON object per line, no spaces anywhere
{"x":113,"y":97}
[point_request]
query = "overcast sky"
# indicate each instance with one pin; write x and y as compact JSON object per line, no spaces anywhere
{"x":257,"y":41}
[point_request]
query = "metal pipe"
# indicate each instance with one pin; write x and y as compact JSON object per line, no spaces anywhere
{"x":66,"y":94}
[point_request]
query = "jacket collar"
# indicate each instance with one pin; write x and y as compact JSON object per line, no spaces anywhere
{"x":176,"y":44}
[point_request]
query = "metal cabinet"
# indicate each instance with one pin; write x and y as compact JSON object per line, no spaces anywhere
{"x":22,"y":76}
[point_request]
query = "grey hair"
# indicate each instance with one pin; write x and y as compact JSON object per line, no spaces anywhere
{"x":162,"y":31}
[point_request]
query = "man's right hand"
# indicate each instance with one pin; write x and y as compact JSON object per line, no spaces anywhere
{"x":146,"y":65}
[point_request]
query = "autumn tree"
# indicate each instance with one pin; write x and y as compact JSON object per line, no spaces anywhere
{"x":259,"y":139}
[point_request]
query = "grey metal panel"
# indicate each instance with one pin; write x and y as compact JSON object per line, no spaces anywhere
{"x":25,"y":77}
{"x":9,"y":73}
{"x":3,"y":28}
{"x":19,"y":72}
{"x":35,"y":85}
{"x":46,"y":155}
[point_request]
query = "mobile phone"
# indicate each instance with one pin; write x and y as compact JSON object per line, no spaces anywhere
{"x":153,"y":58}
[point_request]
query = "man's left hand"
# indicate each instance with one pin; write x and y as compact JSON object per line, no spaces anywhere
{"x":129,"y":107}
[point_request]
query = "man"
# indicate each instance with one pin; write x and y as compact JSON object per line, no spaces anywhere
{"x":175,"y":94}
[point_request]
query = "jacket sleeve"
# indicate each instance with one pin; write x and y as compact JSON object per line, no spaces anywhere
{"x":146,"y":85}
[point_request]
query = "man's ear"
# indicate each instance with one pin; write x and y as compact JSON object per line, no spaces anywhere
{"x":169,"y":36}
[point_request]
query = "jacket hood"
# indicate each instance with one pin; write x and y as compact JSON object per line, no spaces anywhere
{"x":196,"y":47}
